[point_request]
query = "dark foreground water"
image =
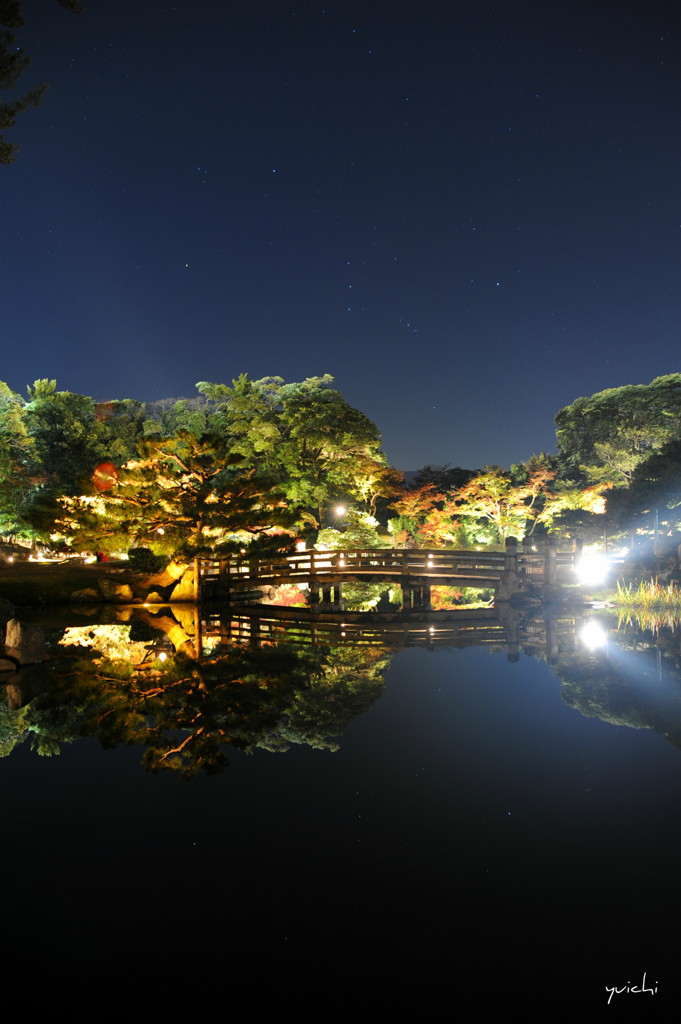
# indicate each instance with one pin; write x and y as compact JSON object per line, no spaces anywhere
{"x":473,"y":836}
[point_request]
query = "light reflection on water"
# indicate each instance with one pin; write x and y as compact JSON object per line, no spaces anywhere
{"x":330,"y":670}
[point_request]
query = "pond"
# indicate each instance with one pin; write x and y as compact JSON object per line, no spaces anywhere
{"x":433,"y":816}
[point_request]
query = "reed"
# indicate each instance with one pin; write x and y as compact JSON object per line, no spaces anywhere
{"x":649,"y":596}
{"x":651,"y":604}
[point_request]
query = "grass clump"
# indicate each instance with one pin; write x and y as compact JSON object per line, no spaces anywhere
{"x":649,"y":596}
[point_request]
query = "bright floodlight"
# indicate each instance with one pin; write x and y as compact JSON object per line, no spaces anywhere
{"x":162,"y":656}
{"x":593,"y":635}
{"x":592,"y":569}
{"x":300,"y":545}
{"x":160,"y":530}
{"x":340,"y":510}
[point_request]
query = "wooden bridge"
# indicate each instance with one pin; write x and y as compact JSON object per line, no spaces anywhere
{"x":414,"y":571}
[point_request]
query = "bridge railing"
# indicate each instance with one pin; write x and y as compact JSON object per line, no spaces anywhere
{"x":429,"y":563}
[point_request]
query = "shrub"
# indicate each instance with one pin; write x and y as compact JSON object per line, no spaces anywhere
{"x":144,"y":560}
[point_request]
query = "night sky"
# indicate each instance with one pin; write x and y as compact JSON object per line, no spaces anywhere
{"x":468,"y":218}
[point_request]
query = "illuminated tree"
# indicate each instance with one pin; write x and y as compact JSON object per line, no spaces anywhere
{"x":182,"y":495}
{"x":414,"y":508}
{"x":305,"y":436}
{"x":605,"y":437}
{"x":16,"y":483}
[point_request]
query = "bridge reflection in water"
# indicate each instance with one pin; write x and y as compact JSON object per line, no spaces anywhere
{"x":505,"y":627}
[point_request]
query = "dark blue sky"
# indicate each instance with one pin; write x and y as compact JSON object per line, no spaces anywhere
{"x":469,"y":218}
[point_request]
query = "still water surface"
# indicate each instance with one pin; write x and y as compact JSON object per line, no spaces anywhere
{"x":480,"y":820}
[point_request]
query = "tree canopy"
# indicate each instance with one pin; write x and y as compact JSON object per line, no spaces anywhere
{"x":606,"y":436}
{"x":188,"y":475}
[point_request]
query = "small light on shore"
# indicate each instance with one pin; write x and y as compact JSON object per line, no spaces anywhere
{"x":340,"y":510}
{"x":160,"y":530}
{"x":592,"y":569}
{"x":162,"y":656}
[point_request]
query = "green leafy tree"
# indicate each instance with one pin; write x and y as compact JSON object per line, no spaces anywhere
{"x":182,"y":496}
{"x":361,"y":531}
{"x":607,"y":436}
{"x":303,"y":435}
{"x":67,"y":439}
{"x":16,"y":483}
{"x":13,"y":64}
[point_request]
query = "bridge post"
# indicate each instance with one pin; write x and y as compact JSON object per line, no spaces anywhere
{"x":551,"y":641}
{"x":225,"y":630}
{"x":197,"y":580}
{"x":253,"y":568}
{"x":425,"y":597}
{"x":512,"y":652}
{"x":338,"y":594}
{"x":197,"y":629}
{"x":577,"y":547}
{"x":406,"y":589}
{"x":511,"y":564}
{"x":314,"y":595}
{"x":326,"y":593}
{"x":223,"y":573}
{"x":416,"y":593}
{"x":550,"y":562}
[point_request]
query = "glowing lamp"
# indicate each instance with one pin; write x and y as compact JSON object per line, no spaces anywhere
{"x":162,"y":656}
{"x":300,"y":545}
{"x":160,"y":530}
{"x":340,"y":510}
{"x":592,"y":569}
{"x":104,"y":476}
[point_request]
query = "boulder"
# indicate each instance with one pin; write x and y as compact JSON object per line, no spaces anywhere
{"x":509,"y":585}
{"x":24,"y":643}
{"x":88,"y":594}
{"x":6,"y":613}
{"x":172,"y":572}
{"x":6,"y":665}
{"x":112,"y":591}
{"x":153,"y":598}
{"x":184,"y":591}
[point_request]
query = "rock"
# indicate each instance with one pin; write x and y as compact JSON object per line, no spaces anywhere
{"x":112,"y":591}
{"x":27,"y":641}
{"x":6,"y":613}
{"x":153,"y":598}
{"x":7,"y":666}
{"x":25,"y":685}
{"x":88,"y":594}
{"x":509,"y":584}
{"x":184,"y":591}
{"x":509,"y":617}
{"x":172,"y":572}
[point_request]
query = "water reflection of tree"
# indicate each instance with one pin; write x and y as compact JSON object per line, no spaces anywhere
{"x":623,"y":690}
{"x":185,"y":714}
